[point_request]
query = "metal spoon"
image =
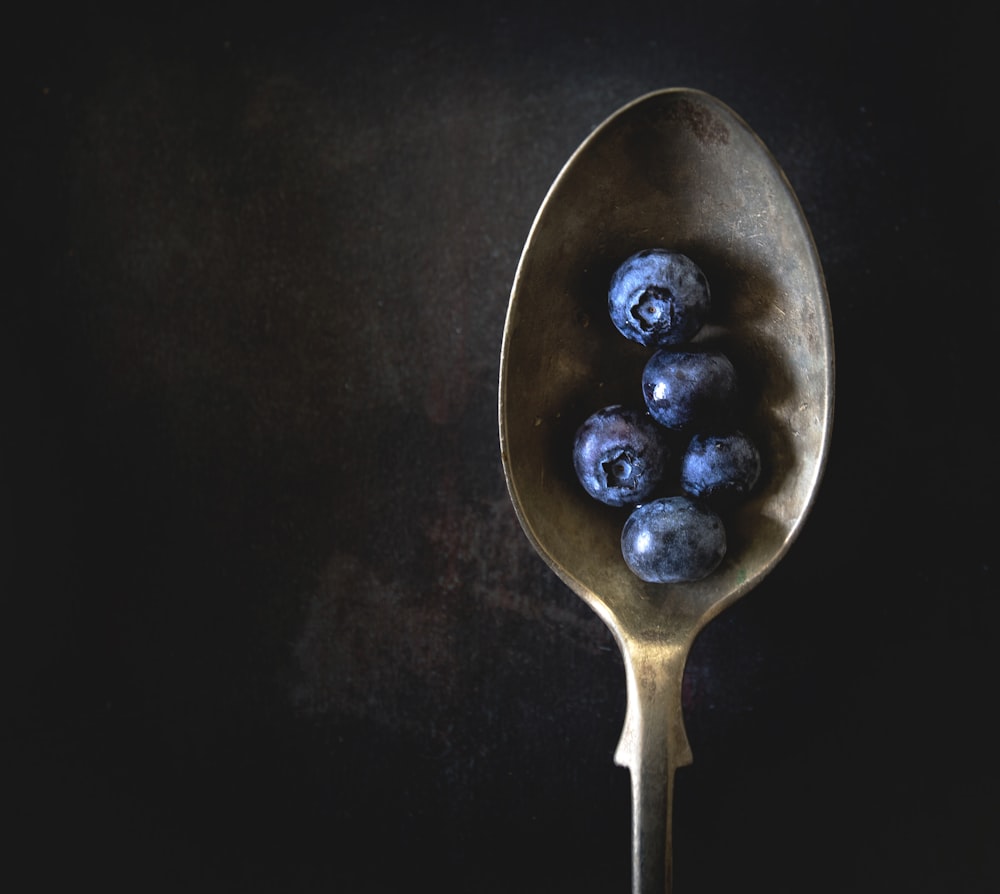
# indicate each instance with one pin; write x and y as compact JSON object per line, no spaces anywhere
{"x":675,"y":168}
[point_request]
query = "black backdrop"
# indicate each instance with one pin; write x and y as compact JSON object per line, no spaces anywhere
{"x":269,"y":621}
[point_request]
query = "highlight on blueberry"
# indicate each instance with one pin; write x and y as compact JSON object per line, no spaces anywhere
{"x":673,"y":540}
{"x":689,"y":387}
{"x":720,"y":468}
{"x":659,"y":297}
{"x":620,"y":455}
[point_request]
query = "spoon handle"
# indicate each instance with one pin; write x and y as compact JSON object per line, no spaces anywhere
{"x":653,"y":745}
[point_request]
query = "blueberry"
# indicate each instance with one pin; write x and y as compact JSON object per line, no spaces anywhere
{"x":720,"y":468}
{"x":690,"y":388}
{"x":672,"y":540}
{"x":620,"y":454}
{"x":659,"y":297}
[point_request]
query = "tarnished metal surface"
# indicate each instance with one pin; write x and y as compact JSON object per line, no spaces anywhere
{"x":675,"y":168}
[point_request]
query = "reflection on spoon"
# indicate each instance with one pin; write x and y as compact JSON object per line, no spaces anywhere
{"x":678,"y":169}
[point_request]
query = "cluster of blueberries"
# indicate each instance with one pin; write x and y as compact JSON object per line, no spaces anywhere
{"x":685,"y":441}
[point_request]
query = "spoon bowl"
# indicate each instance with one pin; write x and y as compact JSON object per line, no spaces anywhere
{"x":678,"y":169}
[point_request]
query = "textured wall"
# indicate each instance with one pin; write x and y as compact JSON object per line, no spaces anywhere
{"x":273,"y":625}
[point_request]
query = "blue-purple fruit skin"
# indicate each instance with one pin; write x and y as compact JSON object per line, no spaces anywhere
{"x":620,"y":455}
{"x":673,"y":540}
{"x":688,"y":388}
{"x":659,"y":297}
{"x":720,"y":468}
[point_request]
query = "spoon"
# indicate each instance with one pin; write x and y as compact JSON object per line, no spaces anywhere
{"x":675,"y":168}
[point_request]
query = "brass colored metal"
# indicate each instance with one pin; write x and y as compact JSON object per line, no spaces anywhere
{"x":674,"y":168}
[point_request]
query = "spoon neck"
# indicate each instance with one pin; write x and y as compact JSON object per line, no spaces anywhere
{"x":653,"y":745}
{"x":653,"y":735}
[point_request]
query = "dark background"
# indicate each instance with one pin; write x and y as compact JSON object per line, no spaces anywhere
{"x":270,"y":624}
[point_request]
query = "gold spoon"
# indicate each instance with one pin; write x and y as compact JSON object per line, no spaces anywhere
{"x":675,"y":168}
